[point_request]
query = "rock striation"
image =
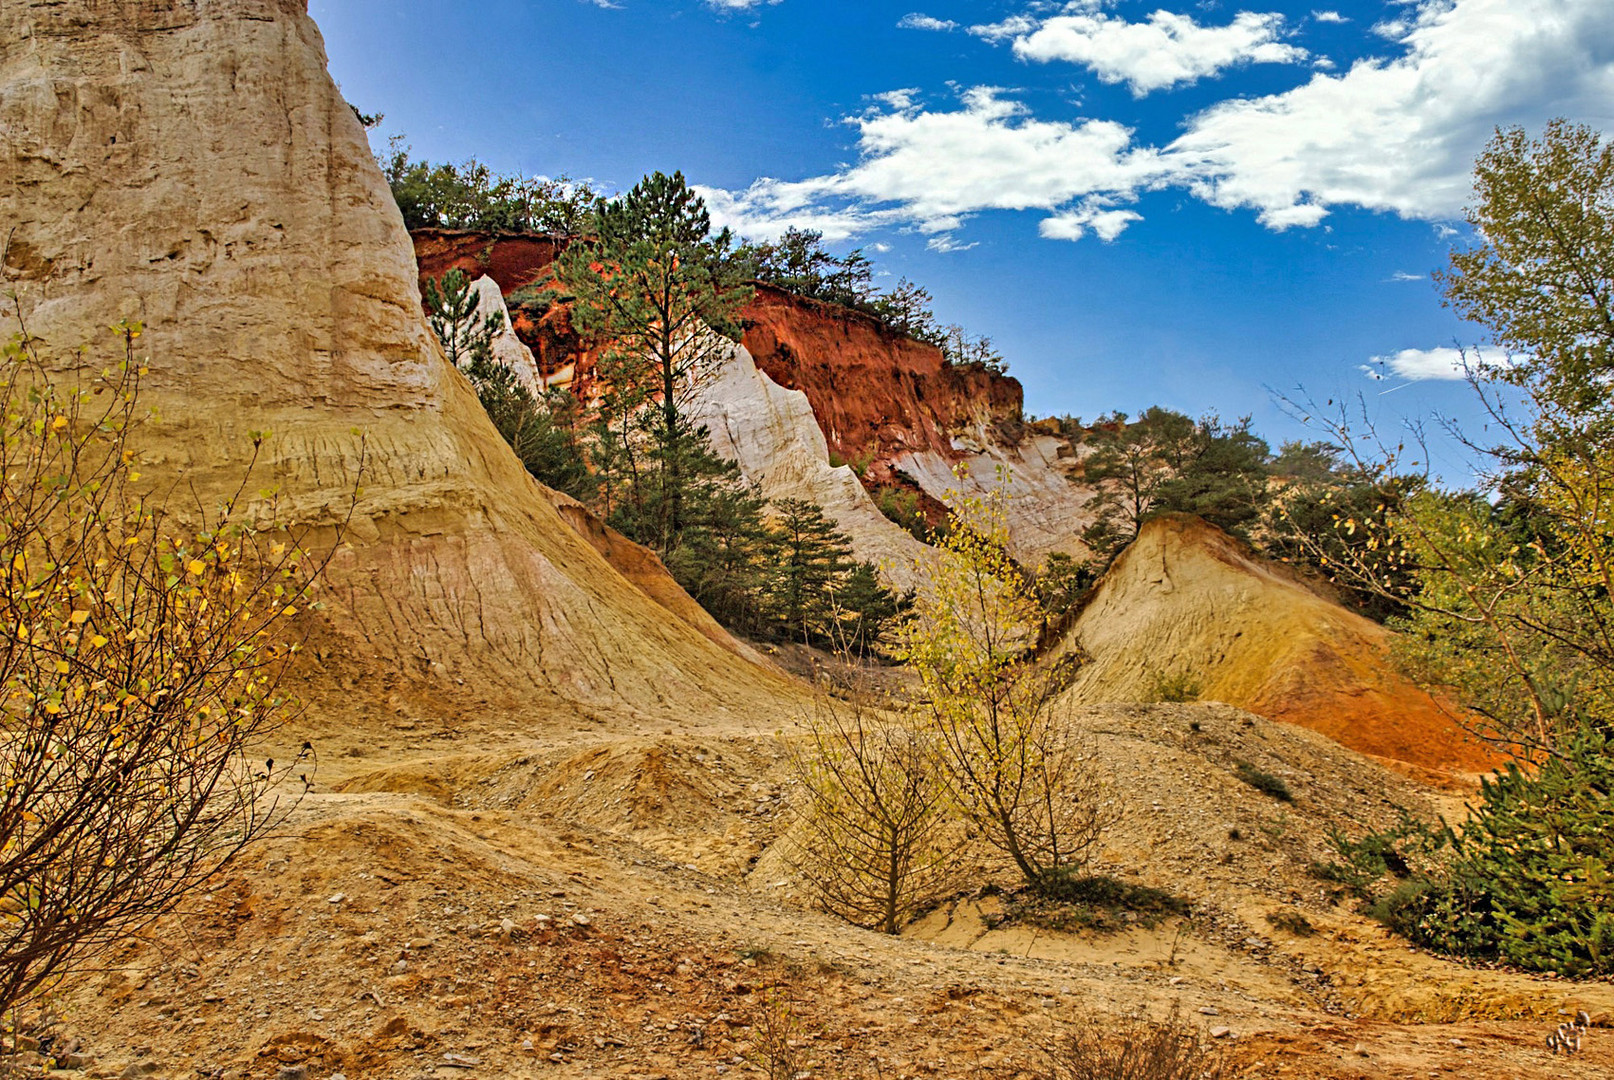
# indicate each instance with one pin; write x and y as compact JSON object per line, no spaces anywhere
{"x":190,"y":164}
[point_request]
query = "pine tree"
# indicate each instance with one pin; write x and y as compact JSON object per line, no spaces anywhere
{"x":813,"y":559}
{"x":662,"y":294}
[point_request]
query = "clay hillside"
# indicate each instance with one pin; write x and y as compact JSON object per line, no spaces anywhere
{"x":548,"y":834}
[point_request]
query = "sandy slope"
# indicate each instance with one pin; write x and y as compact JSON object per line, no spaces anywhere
{"x":1187,"y":601}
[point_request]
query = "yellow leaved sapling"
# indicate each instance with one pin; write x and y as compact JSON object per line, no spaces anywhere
{"x":143,"y":663}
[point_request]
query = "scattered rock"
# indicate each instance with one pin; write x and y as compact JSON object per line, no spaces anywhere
{"x":336,"y":898}
{"x":292,"y":1072}
{"x":1220,"y":1032}
{"x":138,"y":1070}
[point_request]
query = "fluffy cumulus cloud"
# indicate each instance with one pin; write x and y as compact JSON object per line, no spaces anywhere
{"x":1393,"y":133}
{"x":1092,"y":216}
{"x":737,"y":5}
{"x":1418,"y":364}
{"x":1399,"y":134}
{"x":917,"y":21}
{"x":933,"y":168}
{"x":1329,"y":17}
{"x":1167,"y":50}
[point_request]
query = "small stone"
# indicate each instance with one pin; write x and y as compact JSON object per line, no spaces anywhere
{"x":400,"y":967}
{"x":1460,"y":1044}
{"x":581,"y":920}
{"x":338,"y":1076}
{"x":1208,"y":1010}
{"x":419,"y":943}
{"x":507,"y":929}
{"x":1359,"y":1050}
{"x":138,"y":1070}
{"x":1175,"y":980}
{"x":1220,"y":1032}
{"x":461,"y":1061}
{"x":292,"y":1072}
{"x":315,"y":1015}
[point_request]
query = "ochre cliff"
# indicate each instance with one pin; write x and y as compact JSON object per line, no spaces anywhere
{"x":1187,"y":603}
{"x":876,"y":395}
{"x":191,"y":165}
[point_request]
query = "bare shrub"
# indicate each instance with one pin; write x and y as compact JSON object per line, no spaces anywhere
{"x":871,"y":839}
{"x":141,"y":663}
{"x":1018,"y":775}
{"x":1134,"y":1050}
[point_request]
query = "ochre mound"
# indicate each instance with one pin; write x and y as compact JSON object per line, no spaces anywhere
{"x":1186,"y":603}
{"x":193,"y":166}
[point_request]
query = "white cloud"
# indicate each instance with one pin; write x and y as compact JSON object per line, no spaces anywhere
{"x":1402,"y":275}
{"x":1013,"y":26}
{"x":1094,"y":216}
{"x":1165,"y":51}
{"x":1395,"y":134}
{"x":917,"y":21}
{"x":1418,"y":364}
{"x":1329,"y":17}
{"x":738,"y":5}
{"x":946,"y":242}
{"x":927,"y":168}
{"x":1399,"y":135}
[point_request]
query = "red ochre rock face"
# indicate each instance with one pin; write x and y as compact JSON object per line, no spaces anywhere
{"x":875,"y":394}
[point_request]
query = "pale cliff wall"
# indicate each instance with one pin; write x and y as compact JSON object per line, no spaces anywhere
{"x":771,"y":433}
{"x":189,"y":163}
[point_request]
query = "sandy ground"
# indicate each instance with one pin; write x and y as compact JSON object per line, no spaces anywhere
{"x":565,"y":906}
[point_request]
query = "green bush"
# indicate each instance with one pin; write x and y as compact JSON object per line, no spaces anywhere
{"x":902,"y":507}
{"x":1178,"y":687}
{"x":1360,"y":865}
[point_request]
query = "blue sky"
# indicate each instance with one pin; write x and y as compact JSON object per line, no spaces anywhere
{"x":1172,"y":202}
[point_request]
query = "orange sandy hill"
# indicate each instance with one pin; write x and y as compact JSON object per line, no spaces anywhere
{"x":1188,"y":603}
{"x":279,"y":292}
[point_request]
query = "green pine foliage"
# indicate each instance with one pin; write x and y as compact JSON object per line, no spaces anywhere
{"x":451,"y":309}
{"x":659,"y":293}
{"x":543,"y":428}
{"x":473,"y":196}
{"x":1530,"y":878}
{"x":1165,"y":462}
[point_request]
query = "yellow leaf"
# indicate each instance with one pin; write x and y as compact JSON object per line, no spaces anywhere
{"x":63,"y":667}
{"x":196,"y":566}
{"x":58,"y":423}
{"x":79,"y":618}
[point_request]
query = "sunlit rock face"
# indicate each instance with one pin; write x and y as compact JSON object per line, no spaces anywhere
{"x":772,"y":434}
{"x":886,"y":404}
{"x":190,"y":164}
{"x":1188,"y":609}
